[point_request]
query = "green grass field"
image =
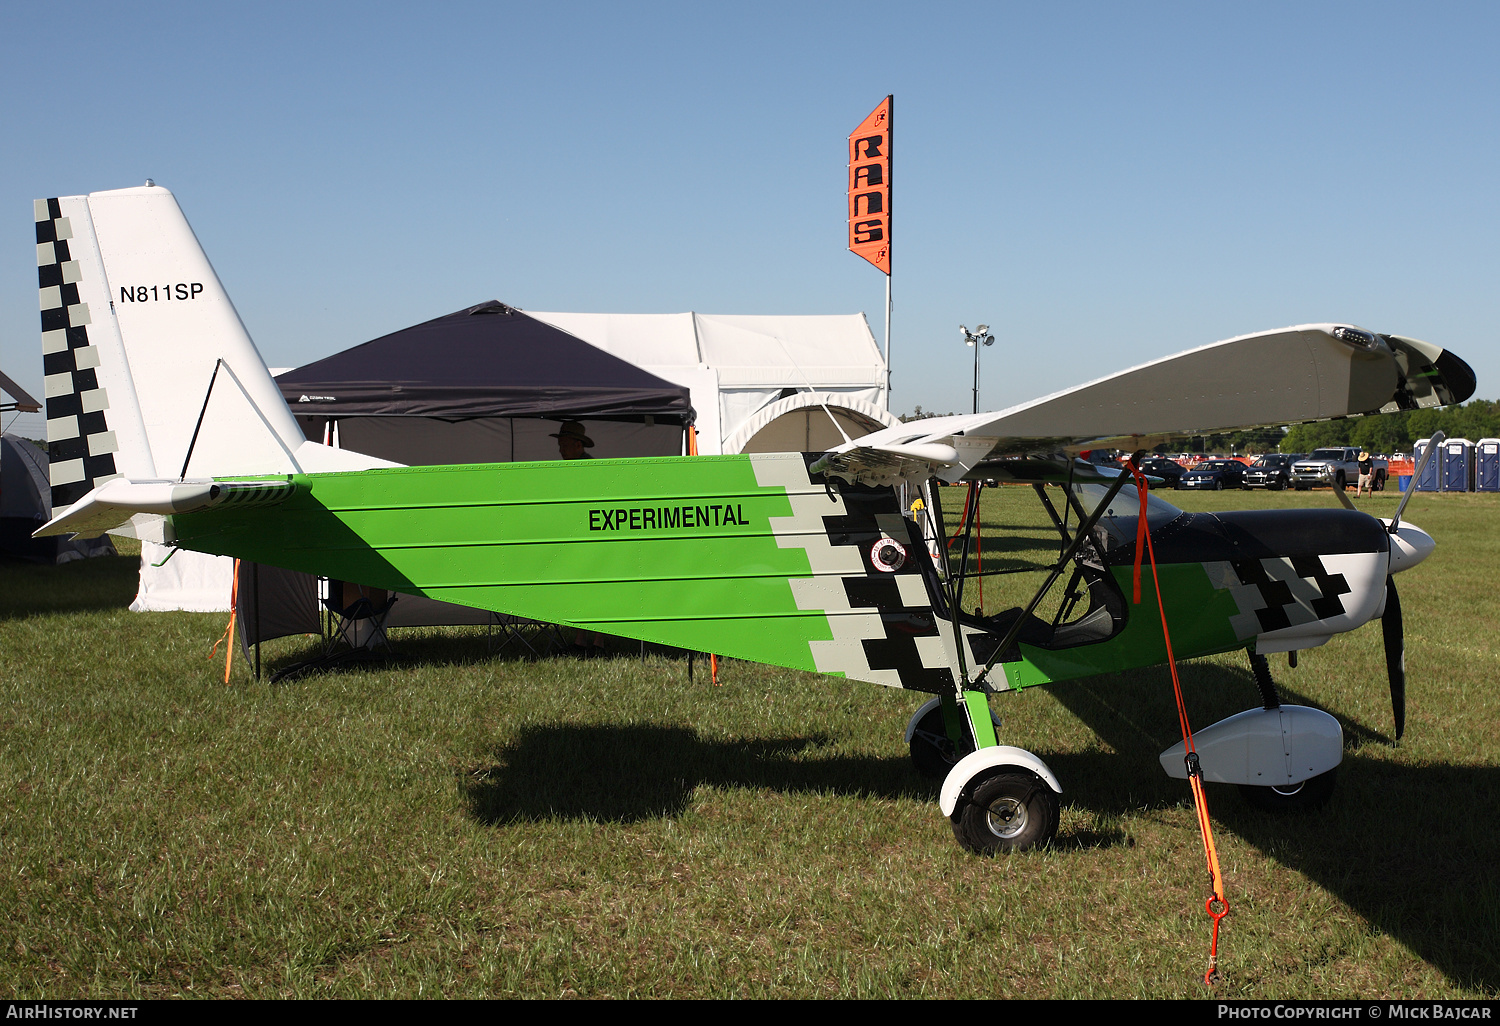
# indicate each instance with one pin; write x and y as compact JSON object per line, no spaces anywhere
{"x":452,"y":824}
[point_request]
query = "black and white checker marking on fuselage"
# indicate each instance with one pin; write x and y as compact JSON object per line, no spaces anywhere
{"x":884,"y":627}
{"x":1291,"y":596}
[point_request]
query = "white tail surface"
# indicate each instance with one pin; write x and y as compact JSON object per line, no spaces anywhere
{"x":146,"y":360}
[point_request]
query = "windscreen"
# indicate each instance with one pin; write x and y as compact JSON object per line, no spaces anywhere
{"x":1117,"y":527}
{"x":1127,"y":504}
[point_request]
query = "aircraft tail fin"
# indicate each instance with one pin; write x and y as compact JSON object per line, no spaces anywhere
{"x":150,"y":374}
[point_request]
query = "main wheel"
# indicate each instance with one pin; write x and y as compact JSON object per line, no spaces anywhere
{"x":1219,"y":485}
{"x":1011,"y":810}
{"x":932,"y":752}
{"x":1309,"y":794}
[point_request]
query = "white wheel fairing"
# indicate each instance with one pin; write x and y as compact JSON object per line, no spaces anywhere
{"x":976,"y":763}
{"x":1263,"y":748}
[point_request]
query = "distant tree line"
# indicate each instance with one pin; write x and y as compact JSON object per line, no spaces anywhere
{"x":918,"y":413}
{"x":1380,"y":432}
{"x":1396,"y":432}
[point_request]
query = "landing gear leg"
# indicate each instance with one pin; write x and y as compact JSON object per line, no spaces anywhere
{"x":1263,"y":681}
{"x":1307,"y":794}
{"x":939,"y":735}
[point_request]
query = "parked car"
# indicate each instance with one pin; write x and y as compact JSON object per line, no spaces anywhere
{"x":1325,"y":467}
{"x":1272,"y":471}
{"x":1160,"y":466}
{"x":1214,"y":475}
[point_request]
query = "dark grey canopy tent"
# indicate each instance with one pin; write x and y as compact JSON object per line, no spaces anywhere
{"x":481,"y":385}
{"x":487,"y":384}
{"x":26,"y":504}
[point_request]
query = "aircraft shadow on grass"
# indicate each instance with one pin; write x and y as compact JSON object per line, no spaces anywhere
{"x":1410,"y":849}
{"x":634,"y":772}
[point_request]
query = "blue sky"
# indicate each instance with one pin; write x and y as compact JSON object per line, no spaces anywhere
{"x":1102,"y":183}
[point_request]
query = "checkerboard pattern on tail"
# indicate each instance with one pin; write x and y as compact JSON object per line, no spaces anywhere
{"x":80,"y":444}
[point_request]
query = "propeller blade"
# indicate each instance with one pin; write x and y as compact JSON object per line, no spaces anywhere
{"x":1395,"y":653}
{"x":1433,"y":443}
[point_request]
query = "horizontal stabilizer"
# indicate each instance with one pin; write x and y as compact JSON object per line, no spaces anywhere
{"x":113,"y":503}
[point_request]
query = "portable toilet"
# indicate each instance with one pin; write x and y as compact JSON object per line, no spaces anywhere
{"x":1458,"y":465}
{"x":1432,"y":475}
{"x":1487,"y":465}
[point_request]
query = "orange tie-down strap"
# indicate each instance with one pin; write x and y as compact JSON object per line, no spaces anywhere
{"x":1216,"y":905}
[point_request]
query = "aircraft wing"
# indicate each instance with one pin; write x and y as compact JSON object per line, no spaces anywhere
{"x":1046,"y":470}
{"x":1301,"y":373}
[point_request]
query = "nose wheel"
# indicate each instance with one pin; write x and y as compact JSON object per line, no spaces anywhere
{"x":1307,"y":794}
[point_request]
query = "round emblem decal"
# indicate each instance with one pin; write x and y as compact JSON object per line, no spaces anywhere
{"x":888,"y":555}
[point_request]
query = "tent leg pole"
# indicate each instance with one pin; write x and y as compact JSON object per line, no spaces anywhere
{"x":255,"y":585}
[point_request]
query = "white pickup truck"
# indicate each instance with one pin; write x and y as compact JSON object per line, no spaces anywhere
{"x":1325,"y":467}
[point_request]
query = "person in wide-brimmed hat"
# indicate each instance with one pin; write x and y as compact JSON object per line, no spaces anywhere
{"x":572,"y":440}
{"x":1366,"y":474}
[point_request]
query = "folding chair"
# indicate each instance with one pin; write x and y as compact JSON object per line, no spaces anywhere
{"x":533,"y":638}
{"x":359,"y":614}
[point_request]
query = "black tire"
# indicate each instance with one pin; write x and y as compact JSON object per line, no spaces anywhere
{"x":932,"y":753}
{"x":1218,"y":487}
{"x":1310,"y":794}
{"x":1011,"y":810}
{"x":1343,"y":482}
{"x":1380,"y":482}
{"x":1301,"y":487}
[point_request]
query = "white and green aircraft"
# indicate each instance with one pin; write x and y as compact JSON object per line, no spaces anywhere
{"x":163,"y":422}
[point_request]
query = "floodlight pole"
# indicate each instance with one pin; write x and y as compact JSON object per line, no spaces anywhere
{"x":979,"y":337}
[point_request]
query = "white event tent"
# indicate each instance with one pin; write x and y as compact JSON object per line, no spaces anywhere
{"x":759,"y":383}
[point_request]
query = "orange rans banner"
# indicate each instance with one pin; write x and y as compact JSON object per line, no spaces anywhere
{"x":870,"y":187}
